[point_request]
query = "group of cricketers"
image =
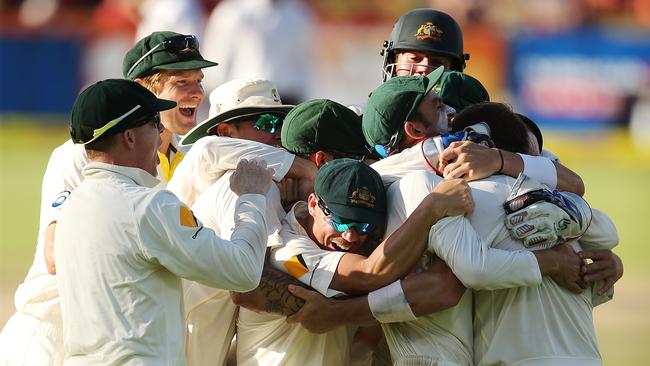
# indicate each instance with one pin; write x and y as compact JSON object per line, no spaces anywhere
{"x":431,"y":228}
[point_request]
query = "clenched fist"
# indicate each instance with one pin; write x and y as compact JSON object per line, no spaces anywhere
{"x":251,"y":177}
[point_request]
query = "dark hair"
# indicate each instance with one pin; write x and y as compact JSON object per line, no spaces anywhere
{"x":532,"y":126}
{"x":508,"y":131}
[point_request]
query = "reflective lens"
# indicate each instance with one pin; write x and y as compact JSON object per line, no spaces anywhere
{"x":269,"y":123}
{"x":361,"y":228}
{"x":181,"y":42}
{"x":381,"y":150}
{"x":385,"y":150}
{"x":174,"y":44}
{"x":337,"y":223}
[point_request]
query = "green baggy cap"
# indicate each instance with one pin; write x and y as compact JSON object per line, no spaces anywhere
{"x":107,"y":106}
{"x":163,"y":51}
{"x":393,"y":103}
{"x":352,"y":190}
{"x":322,"y":124}
{"x":459,"y":90}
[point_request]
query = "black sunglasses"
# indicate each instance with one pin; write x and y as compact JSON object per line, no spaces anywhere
{"x":155,"y":118}
{"x":174,"y":44}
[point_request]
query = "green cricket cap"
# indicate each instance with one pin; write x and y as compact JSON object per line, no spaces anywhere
{"x":393,"y":103}
{"x":322,"y":124}
{"x":163,"y":51}
{"x":459,"y":90}
{"x":352,"y":190}
{"x":109,"y":106}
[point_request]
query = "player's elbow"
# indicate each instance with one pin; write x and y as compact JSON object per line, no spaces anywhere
{"x":446,"y":295}
{"x":251,"y":278}
{"x":244,"y":299}
{"x":474,"y":277}
{"x":50,"y":265}
{"x":250,"y":266}
{"x":577,"y":186}
{"x":48,"y":250}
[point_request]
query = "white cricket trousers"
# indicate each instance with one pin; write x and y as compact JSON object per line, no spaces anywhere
{"x":27,"y":341}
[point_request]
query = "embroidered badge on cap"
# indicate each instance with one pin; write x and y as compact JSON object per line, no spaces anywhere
{"x":429,"y":31}
{"x":363,"y":197}
{"x":296,"y":266}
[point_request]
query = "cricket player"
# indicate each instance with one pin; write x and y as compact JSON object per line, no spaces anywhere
{"x":169,"y":64}
{"x":421,"y":41}
{"x":448,"y":336}
{"x":319,"y":251}
{"x":240,"y":110}
{"x":33,"y":334}
{"x":122,"y":245}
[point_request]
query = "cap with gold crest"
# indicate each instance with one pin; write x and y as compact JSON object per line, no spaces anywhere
{"x":352,"y":190}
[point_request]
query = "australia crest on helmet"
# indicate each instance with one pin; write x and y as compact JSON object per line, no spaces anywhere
{"x":429,"y":31}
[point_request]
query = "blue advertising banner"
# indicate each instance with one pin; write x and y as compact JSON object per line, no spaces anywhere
{"x":39,"y":75}
{"x":588,"y":78}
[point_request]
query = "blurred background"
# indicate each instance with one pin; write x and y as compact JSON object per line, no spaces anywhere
{"x":580,"y":69}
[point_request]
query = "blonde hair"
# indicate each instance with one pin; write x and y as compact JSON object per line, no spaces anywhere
{"x":155,"y":81}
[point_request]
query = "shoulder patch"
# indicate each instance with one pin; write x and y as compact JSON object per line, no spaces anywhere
{"x":187,"y":217}
{"x":296,"y":266}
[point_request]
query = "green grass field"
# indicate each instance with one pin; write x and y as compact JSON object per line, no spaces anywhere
{"x":617,"y":177}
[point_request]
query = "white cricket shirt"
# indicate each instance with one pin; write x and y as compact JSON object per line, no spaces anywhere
{"x":211,"y":156}
{"x":210,"y":314}
{"x":267,"y":339}
{"x":122,"y":248}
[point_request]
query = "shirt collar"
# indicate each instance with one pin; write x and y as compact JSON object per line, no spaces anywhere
{"x":139,"y":176}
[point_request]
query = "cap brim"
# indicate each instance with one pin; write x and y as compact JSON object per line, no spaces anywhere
{"x":358,"y":214}
{"x":186,"y":65}
{"x":434,"y":76}
{"x":202,"y":128}
{"x":164,"y":104}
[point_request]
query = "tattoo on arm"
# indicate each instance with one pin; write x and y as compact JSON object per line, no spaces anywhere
{"x":273,"y":287}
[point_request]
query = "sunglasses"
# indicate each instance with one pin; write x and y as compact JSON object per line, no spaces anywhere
{"x":174,"y":44}
{"x":268,"y":122}
{"x":385,"y":150}
{"x":155,"y":118}
{"x":337,"y":223}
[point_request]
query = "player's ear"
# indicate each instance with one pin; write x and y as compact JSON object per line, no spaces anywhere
{"x":128,"y":137}
{"x":312,"y":204}
{"x":319,"y":158}
{"x":414,"y":129}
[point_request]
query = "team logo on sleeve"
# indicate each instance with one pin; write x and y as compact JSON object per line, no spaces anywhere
{"x":187,"y":217}
{"x":296,"y":266}
{"x":60,"y":199}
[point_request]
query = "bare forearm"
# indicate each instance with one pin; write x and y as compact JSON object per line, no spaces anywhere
{"x":432,"y":290}
{"x":512,"y":164}
{"x":271,"y":295}
{"x":49,"y":248}
{"x":568,"y":181}
{"x":391,"y":260}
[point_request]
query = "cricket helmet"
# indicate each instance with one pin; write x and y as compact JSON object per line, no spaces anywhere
{"x":425,"y":30}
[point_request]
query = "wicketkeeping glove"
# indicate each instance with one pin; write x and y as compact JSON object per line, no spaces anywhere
{"x":542,"y":218}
